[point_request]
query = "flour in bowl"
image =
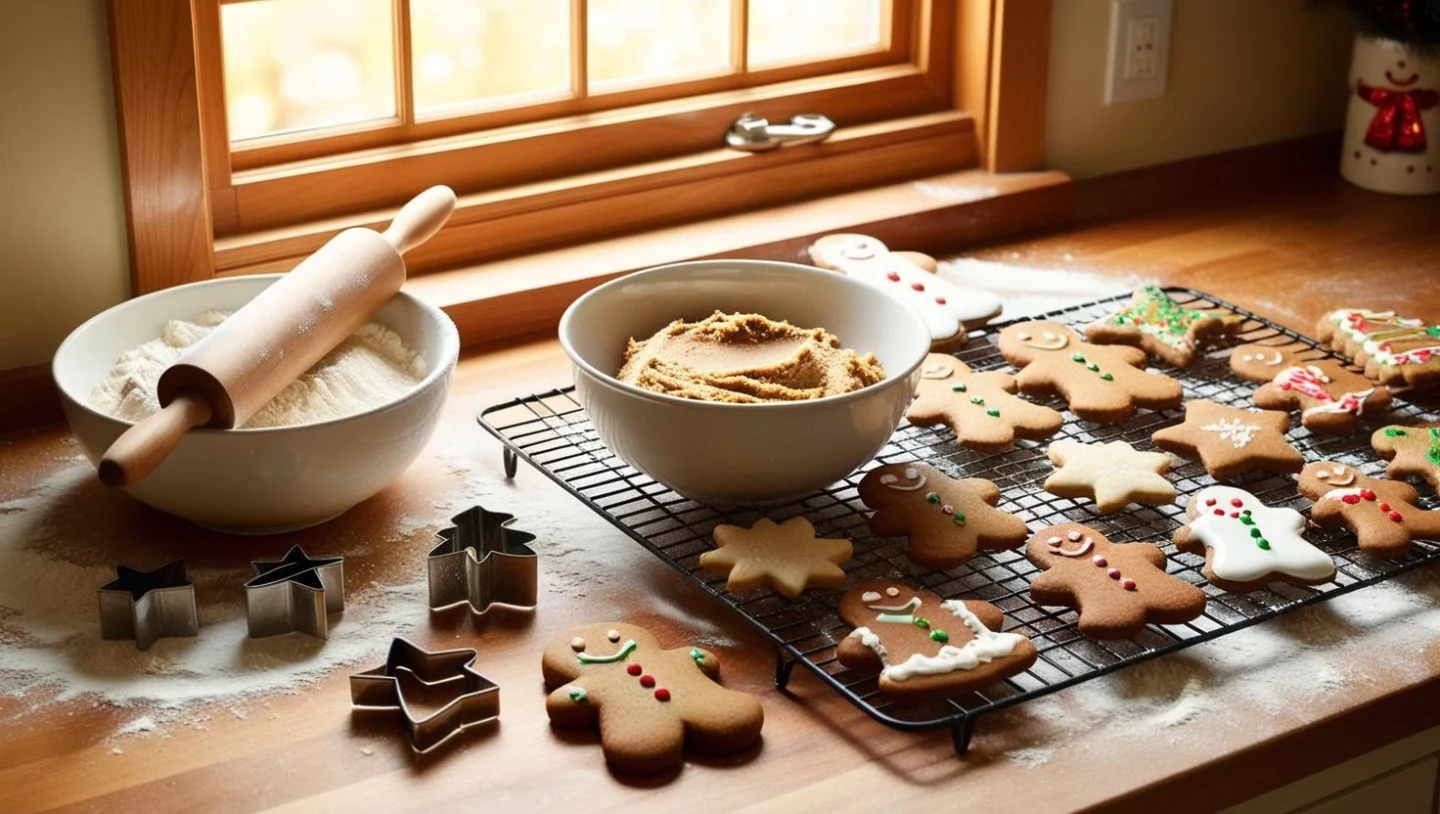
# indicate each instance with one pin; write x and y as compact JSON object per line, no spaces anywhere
{"x":372,"y":366}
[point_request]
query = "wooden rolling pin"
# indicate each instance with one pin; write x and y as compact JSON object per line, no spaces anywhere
{"x":276,"y":337}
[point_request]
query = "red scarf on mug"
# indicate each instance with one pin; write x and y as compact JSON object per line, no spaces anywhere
{"x":1397,"y":124}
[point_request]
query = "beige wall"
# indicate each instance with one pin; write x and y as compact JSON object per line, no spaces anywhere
{"x":63,"y":250}
{"x":1242,"y":72}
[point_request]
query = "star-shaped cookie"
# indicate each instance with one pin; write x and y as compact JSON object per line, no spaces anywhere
{"x":981,"y":407}
{"x":788,"y":557}
{"x":1230,"y":441}
{"x":1330,"y":398}
{"x":1411,"y":451}
{"x":1112,"y":474}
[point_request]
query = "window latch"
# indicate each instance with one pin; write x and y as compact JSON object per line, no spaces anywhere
{"x":754,"y":133}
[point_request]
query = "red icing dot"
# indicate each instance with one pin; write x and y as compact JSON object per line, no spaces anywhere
{"x":1101,"y":562}
{"x":1384,"y":507}
{"x":1395,"y":516}
{"x":939,"y":300}
{"x":1284,"y":385}
{"x":647,"y":681}
{"x":662,"y":694}
{"x":1350,"y":499}
{"x":633,"y":669}
{"x":1367,"y":494}
{"x":1129,"y":584}
{"x":918,"y":286}
{"x":1234,"y":514}
{"x":892,"y":277}
{"x":1236,"y":502}
{"x":1209,"y":501}
{"x":1220,"y":512}
{"x":1114,"y":573}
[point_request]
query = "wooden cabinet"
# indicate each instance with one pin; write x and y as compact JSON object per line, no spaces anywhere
{"x":1402,"y":778}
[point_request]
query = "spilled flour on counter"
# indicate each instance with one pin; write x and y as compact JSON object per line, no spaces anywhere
{"x":371,"y":367}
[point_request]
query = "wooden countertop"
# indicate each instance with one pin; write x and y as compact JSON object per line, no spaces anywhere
{"x":1190,"y":729}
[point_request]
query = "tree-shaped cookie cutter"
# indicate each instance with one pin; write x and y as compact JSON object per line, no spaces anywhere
{"x":482,"y":561}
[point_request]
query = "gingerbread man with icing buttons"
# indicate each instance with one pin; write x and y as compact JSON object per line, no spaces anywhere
{"x":981,"y":407}
{"x":1382,"y":513}
{"x":1102,"y":383}
{"x":1118,"y":588}
{"x":648,"y":703}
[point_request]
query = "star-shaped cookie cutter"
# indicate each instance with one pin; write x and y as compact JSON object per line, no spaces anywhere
{"x":477,"y":702}
{"x":296,"y":593}
{"x":146,"y":605}
{"x":482,"y":561}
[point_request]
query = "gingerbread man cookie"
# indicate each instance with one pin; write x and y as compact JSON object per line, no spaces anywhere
{"x":1259,"y":363}
{"x":787,"y":556}
{"x":1330,"y":398}
{"x":1247,"y":544}
{"x":648,"y":703}
{"x":1100,"y":382}
{"x":1382,"y":513}
{"x":1393,"y":350}
{"x":1230,"y":441}
{"x":1410,"y":450}
{"x":1162,"y":327}
{"x":1118,"y":588}
{"x":947,"y":308}
{"x":947,"y":520}
{"x":925,"y":646}
{"x":981,"y":407}
{"x":1113,"y":474}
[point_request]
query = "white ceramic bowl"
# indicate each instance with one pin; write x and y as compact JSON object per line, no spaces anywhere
{"x":742,"y":453}
{"x":269,"y":480}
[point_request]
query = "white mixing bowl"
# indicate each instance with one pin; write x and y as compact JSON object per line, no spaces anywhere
{"x":742,"y":453}
{"x":268,"y":480}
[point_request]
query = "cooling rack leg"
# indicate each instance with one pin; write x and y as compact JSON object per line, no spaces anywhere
{"x":960,"y":732}
{"x":783,"y":667}
{"x":512,"y":462}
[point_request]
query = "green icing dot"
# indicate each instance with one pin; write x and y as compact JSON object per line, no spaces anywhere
{"x":1256,"y":533}
{"x":977,"y":399}
{"x":1392,"y":432}
{"x":958,"y":388}
{"x":1247,"y":520}
{"x":993,"y":412}
{"x":1263,"y":543}
{"x":1078,"y":357}
{"x":1093,"y":368}
{"x":1107,"y":377}
{"x":697,"y":654}
{"x":921,"y":622}
{"x":959,"y":518}
{"x":932,"y":497}
{"x":579,"y":696}
{"x":1433,"y":330}
{"x":939,"y":636}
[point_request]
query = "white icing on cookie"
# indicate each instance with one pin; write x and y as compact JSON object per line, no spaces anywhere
{"x":1346,"y":403}
{"x":870,"y":640}
{"x":1232,"y":430}
{"x":1260,"y":357}
{"x":892,"y":591}
{"x":1238,"y":554}
{"x":1339,"y":475}
{"x":1057,"y":545}
{"x":1049,"y":340}
{"x":914,"y":481}
{"x":870,"y":596}
{"x":987,"y":646}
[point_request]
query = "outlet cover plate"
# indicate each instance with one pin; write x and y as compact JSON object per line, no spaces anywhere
{"x":1139,"y":62}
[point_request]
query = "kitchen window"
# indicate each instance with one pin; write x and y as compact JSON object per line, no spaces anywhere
{"x":253,"y":130}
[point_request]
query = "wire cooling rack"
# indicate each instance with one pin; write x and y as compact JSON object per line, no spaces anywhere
{"x":551,"y":432}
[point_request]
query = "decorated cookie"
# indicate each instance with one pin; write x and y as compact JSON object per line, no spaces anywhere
{"x":927,"y":647}
{"x":1259,"y":363}
{"x":1118,"y":588}
{"x":1330,"y":398}
{"x":1113,"y":474}
{"x":1162,"y":327}
{"x":1382,"y":513}
{"x":1410,"y":450}
{"x":1100,"y":382}
{"x":980,"y":407}
{"x":1230,"y":441}
{"x":787,"y":557}
{"x":1247,"y":544}
{"x":947,"y":520}
{"x":647,"y":703}
{"x":1392,"y":349}
{"x":946,"y":307}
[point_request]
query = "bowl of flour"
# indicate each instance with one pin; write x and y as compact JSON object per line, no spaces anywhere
{"x":333,"y":438}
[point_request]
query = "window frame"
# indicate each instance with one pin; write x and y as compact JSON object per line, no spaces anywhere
{"x":979,"y":77}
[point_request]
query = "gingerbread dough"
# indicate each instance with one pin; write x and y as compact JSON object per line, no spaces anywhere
{"x":1100,"y":382}
{"x":946,"y":520}
{"x":980,"y":407}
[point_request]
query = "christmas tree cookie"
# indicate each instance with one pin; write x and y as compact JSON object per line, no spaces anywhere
{"x":1162,"y":327}
{"x":1382,"y":513}
{"x":1393,"y":350}
{"x":981,"y":407}
{"x":1247,"y":544}
{"x":1410,"y":450}
{"x":1104,"y":383}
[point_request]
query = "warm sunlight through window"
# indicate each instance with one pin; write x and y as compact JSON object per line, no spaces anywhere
{"x":292,"y":65}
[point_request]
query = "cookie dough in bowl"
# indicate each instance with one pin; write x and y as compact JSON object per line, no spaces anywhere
{"x":737,"y":451}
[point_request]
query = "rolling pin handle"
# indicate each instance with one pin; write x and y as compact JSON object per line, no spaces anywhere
{"x":421,"y":218}
{"x":142,"y":447}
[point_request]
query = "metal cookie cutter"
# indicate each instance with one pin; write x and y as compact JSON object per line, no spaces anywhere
{"x":478,"y":699}
{"x":754,"y":133}
{"x":297,"y":593}
{"x":146,"y":605}
{"x":482,"y":561}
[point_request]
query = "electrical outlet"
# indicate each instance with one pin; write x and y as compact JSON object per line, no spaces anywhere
{"x":1139,"y":49}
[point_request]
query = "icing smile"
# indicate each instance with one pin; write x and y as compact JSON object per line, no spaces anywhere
{"x":913,"y":481}
{"x":625,"y":650}
{"x":1339,"y":476}
{"x":1402,"y":83}
{"x":1048,"y":340}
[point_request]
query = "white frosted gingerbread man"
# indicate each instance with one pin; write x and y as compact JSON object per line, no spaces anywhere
{"x":948,"y":309}
{"x":1248,"y":544}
